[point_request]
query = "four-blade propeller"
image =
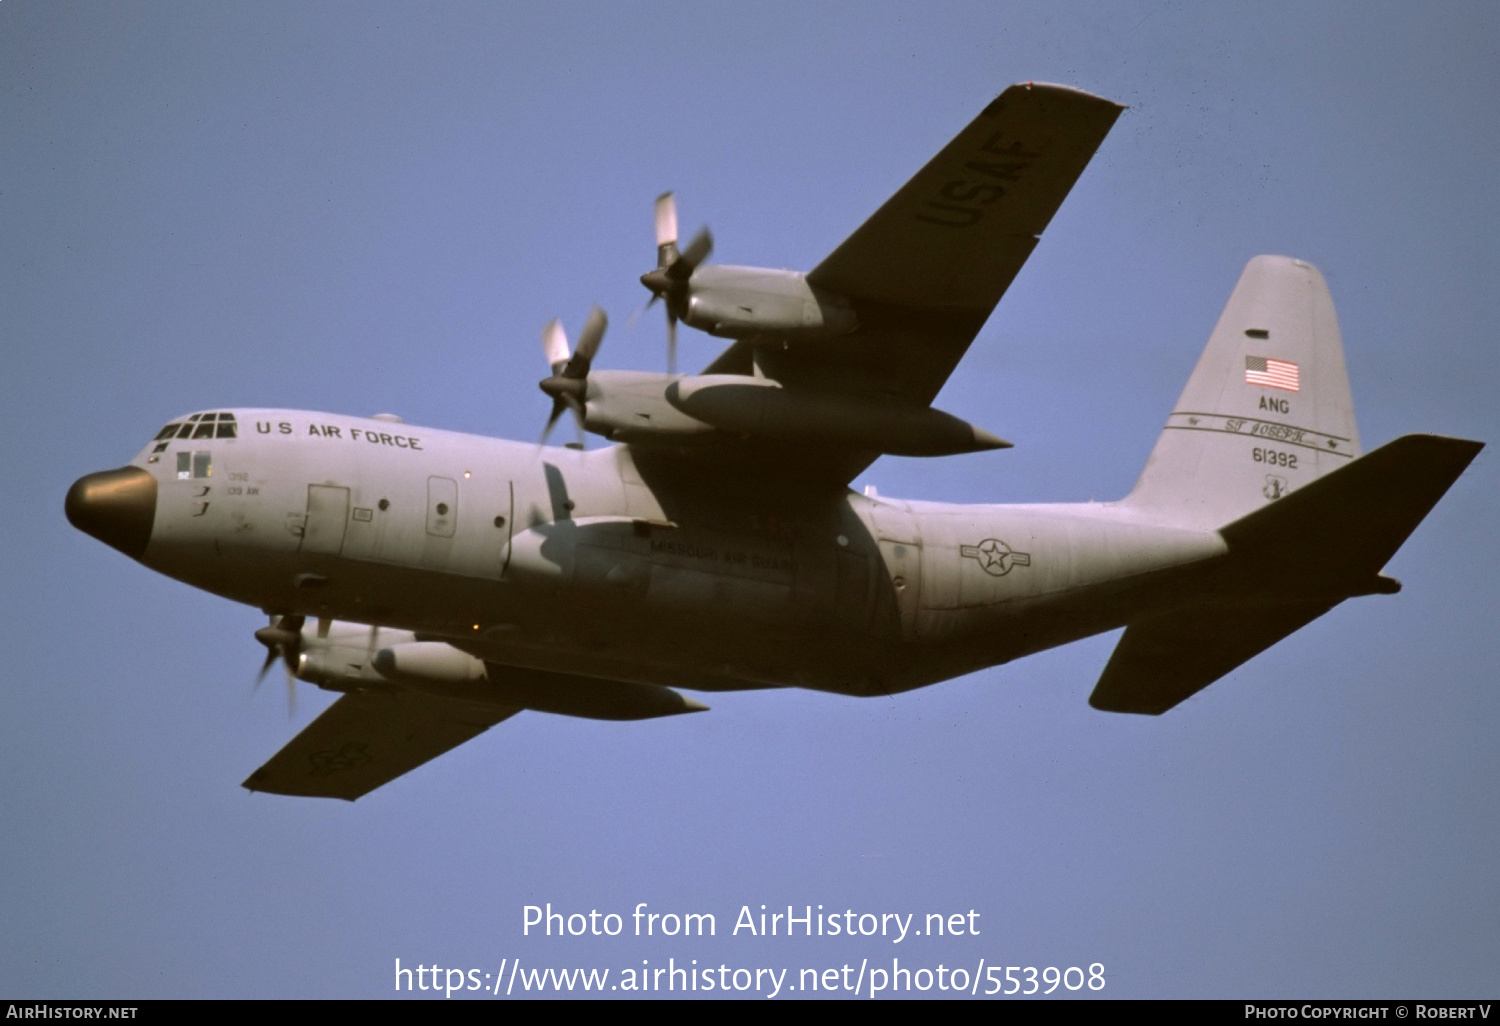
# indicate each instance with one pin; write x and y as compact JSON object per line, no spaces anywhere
{"x":283,"y":640}
{"x":669,"y":282}
{"x":568,"y":385}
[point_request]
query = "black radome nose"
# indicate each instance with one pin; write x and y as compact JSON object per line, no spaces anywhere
{"x":116,"y":506}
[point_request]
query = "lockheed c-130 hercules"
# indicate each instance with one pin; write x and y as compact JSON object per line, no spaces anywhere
{"x":444,"y":582}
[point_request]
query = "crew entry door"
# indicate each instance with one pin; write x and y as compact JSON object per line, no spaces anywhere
{"x":327,"y":518}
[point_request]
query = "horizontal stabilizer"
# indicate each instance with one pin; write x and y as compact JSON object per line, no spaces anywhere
{"x":1339,"y":530}
{"x":1289,"y":563}
{"x":369,"y":738}
{"x":1159,"y":663}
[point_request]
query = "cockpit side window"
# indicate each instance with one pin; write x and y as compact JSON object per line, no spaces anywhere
{"x":170,"y":431}
{"x":194,"y":464}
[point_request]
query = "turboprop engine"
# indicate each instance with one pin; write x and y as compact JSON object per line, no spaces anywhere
{"x":735,"y":302}
{"x":750,"y":302}
{"x":346,"y":657}
{"x":638,"y":406}
{"x":440,"y":669}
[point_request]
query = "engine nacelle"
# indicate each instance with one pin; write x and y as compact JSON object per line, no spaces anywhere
{"x":747,"y":302}
{"x":435,"y":661}
{"x":438,"y":668}
{"x":628,"y":406}
{"x":761,"y":408}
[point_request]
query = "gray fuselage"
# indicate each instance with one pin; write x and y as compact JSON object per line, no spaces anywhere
{"x":584,"y":562}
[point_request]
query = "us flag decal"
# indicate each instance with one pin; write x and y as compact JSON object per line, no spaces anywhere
{"x":1262,"y":370}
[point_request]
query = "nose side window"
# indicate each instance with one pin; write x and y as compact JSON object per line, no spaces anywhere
{"x":184,"y":466}
{"x":202,"y":464}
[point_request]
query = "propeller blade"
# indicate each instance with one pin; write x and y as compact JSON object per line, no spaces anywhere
{"x":283,"y":639}
{"x":698,"y":250}
{"x":265,"y":668}
{"x":671,"y":342}
{"x":555,"y":345}
{"x":589,"y":340}
{"x":291,"y":693}
{"x":558,"y":405}
{"x":577,"y":408}
{"x":666,"y":229}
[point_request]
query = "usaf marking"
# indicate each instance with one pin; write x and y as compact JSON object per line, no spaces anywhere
{"x":1285,"y":434}
{"x":355,"y":434}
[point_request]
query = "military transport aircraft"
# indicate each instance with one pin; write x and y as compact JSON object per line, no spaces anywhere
{"x":445,"y":582}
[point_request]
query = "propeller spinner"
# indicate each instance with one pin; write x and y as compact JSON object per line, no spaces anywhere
{"x":669,"y":282}
{"x":568,"y":384}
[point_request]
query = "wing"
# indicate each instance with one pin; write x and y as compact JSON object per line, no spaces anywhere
{"x":369,"y":738}
{"x":925,"y":271}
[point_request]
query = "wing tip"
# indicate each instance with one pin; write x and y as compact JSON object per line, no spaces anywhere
{"x":1067,"y":91}
{"x":1117,"y":704}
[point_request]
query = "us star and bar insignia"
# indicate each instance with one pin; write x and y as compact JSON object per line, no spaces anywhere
{"x":995,"y":557}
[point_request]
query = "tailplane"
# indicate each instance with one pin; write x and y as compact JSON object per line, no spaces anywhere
{"x":1266,"y":411}
{"x":1289,"y":563}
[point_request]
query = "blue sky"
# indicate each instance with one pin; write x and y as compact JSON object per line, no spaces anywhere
{"x":367,"y":207}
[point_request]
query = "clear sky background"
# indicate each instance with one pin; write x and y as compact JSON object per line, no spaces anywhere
{"x":369,"y":207}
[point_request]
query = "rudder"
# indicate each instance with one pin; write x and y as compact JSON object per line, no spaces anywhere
{"x":1267,"y":409}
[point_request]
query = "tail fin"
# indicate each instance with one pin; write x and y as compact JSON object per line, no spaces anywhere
{"x":1266,"y":411}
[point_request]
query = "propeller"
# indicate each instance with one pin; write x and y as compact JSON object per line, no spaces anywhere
{"x":283,"y":640}
{"x":669,"y":282}
{"x":568,"y":385}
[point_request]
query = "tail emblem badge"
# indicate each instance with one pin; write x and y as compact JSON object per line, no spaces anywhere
{"x":995,"y":557}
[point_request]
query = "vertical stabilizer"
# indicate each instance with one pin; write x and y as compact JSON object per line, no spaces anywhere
{"x":1267,"y":409}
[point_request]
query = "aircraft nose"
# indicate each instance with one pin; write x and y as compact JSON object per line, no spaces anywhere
{"x":115,"y":506}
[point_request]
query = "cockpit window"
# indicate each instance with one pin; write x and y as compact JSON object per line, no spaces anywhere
{"x":200,"y":425}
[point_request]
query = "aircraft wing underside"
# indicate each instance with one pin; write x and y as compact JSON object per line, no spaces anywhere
{"x":927,"y":268}
{"x":369,"y":738}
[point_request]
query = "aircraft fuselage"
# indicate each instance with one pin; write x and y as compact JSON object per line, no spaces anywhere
{"x":577,"y":561}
